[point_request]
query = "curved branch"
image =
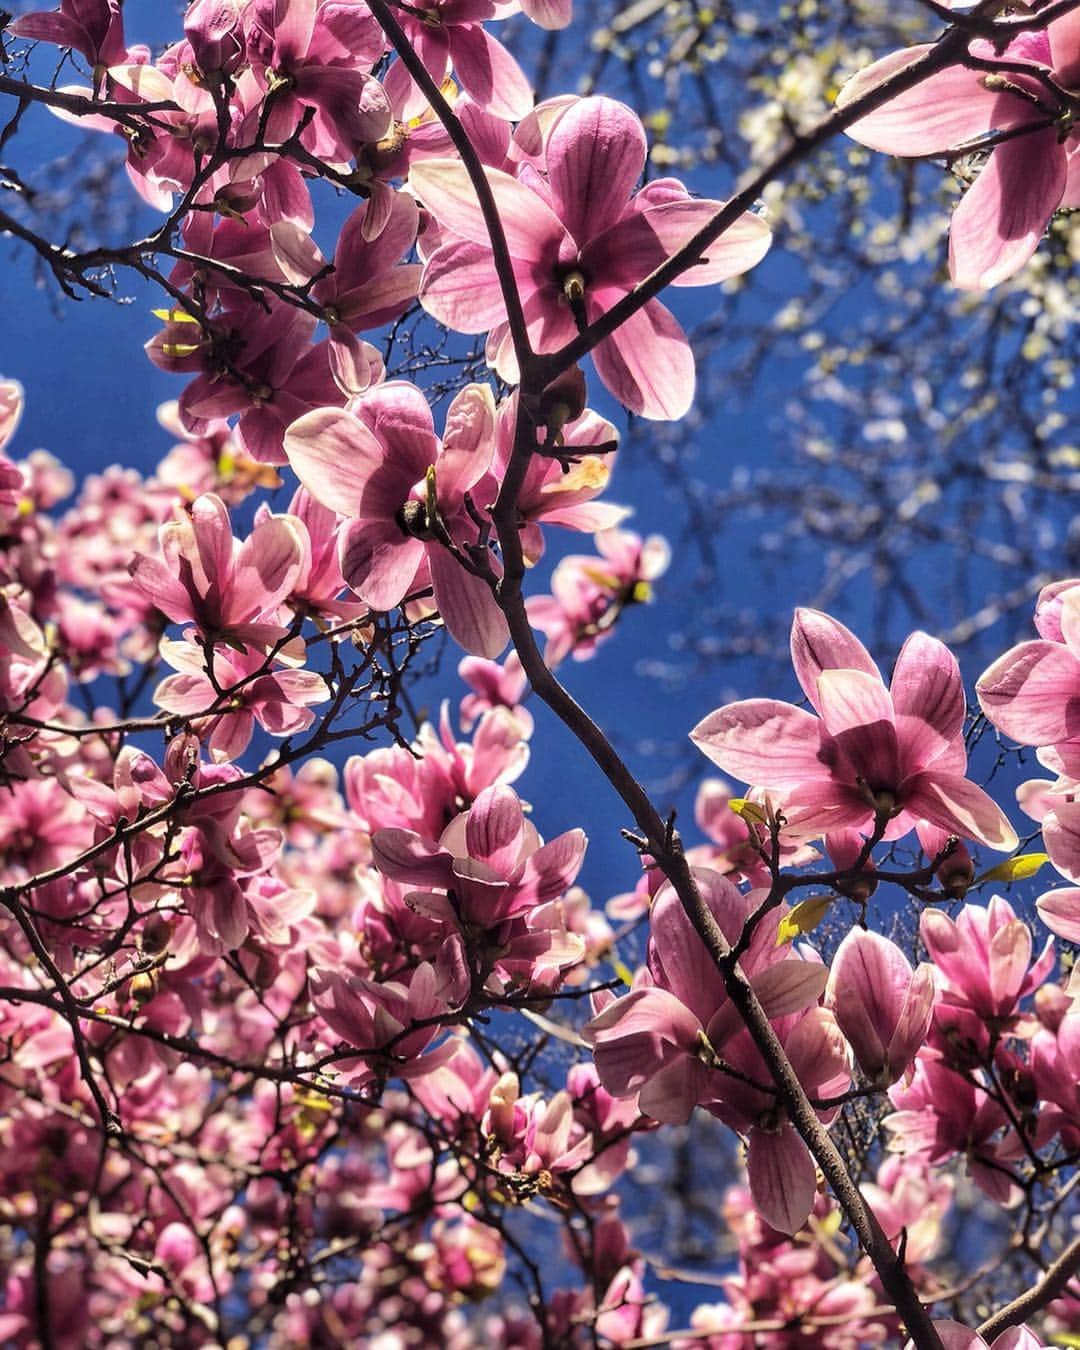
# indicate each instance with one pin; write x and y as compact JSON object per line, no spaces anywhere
{"x":1032,"y":1300}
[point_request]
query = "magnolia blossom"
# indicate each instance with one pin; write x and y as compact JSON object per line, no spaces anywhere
{"x":873,"y":758}
{"x":1027,"y":177}
{"x":1032,"y":692}
{"x":882,"y":1007}
{"x":404,"y":492}
{"x":579,"y":242}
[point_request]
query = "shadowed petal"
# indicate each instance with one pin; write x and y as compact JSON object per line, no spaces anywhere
{"x":646,"y":363}
{"x":783,"y":1180}
{"x":998,"y":224}
{"x":945,"y":110}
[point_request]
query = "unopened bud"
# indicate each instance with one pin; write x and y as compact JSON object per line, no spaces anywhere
{"x":956,"y":872}
{"x":563,"y":400}
{"x":142,"y":988}
{"x":156,"y":934}
{"x":1051,"y":1005}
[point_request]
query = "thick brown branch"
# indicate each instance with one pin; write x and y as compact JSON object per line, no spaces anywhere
{"x":1032,"y":1300}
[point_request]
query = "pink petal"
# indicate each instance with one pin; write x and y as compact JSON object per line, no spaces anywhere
{"x":789,"y":987}
{"x":634,"y":246}
{"x":945,"y":110}
{"x":819,"y":643}
{"x":495,"y":828}
{"x":868,"y":981}
{"x":1032,"y":693}
{"x":959,"y":807}
{"x":460,"y":287}
{"x":379,"y":562}
{"x":763,"y":741}
{"x":554,"y":866}
{"x":403,"y":856}
{"x":926,"y":685}
{"x":1060,"y":912}
{"x":334,"y":456}
{"x":488,"y":73}
{"x":858,"y":714}
{"x":783,"y":1179}
{"x":532,"y":229}
{"x":672,"y":1092}
{"x":646,"y":363}
{"x":185,"y":695}
{"x":467,"y":605}
{"x":1064,"y":35}
{"x":161,"y":588}
{"x":999,"y":223}
{"x":549,"y":14}
{"x":267,"y":567}
{"x":595,"y":157}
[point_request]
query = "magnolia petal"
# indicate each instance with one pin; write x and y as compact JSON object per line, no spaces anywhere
{"x":783,"y":1180}
{"x":488,"y":73}
{"x":634,"y":246}
{"x":646,"y":363}
{"x":999,"y":223}
{"x":595,"y":157}
{"x":857,"y":713}
{"x":763,"y":741}
{"x":1060,"y":912}
{"x":467,"y":606}
{"x":926,"y":684}
{"x":334,"y":456}
{"x":404,"y":856}
{"x":819,"y":643}
{"x":948,"y":109}
{"x":1032,"y":693}
{"x":529,"y":224}
{"x":955,"y":805}
{"x":378,"y":562}
{"x":495,"y":828}
{"x":460,"y":287}
{"x":549,"y":14}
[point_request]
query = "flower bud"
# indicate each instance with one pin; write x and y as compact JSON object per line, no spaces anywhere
{"x":213,"y":28}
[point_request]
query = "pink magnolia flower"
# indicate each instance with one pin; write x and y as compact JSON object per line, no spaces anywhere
{"x":559,"y":490}
{"x":95,"y":28}
{"x":983,"y":959}
{"x":312,"y":56}
{"x":227,"y":589}
{"x":377,"y":1019}
{"x":589,"y":593}
{"x":259,"y":364}
{"x":490,"y":861}
{"x":579,"y":242}
{"x":404,"y":491}
{"x":998,"y":224}
{"x":940,"y":1114}
{"x":883,"y":1007}
{"x":370,"y":285}
{"x":1032,"y":693}
{"x":279,"y":700}
{"x":871,"y":754}
{"x":494,"y":686}
{"x":671,"y":1037}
